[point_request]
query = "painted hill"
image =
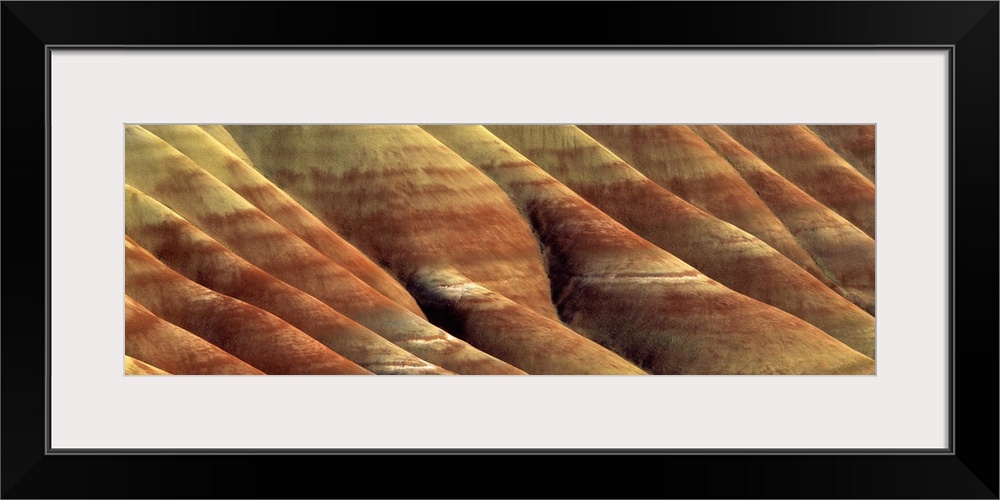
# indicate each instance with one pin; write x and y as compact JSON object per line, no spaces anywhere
{"x":226,"y":166}
{"x":844,"y":252}
{"x":407,"y":249}
{"x":636,"y":298}
{"x":445,"y":228}
{"x":159,"y":170}
{"x":251,"y":334}
{"x":135,"y":367}
{"x":854,"y":143}
{"x":173,"y":349}
{"x":183,"y":247}
{"x":681,"y":162}
{"x":801,"y":156}
{"x":720,"y":250}
{"x":404,"y":198}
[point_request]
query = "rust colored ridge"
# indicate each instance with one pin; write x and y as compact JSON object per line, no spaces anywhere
{"x":676,"y":158}
{"x":216,"y":159}
{"x":254,"y":335}
{"x":186,"y":249}
{"x":512,"y":332}
{"x":135,"y":367}
{"x":840,"y":248}
{"x":162,"y":172}
{"x":718,"y":249}
{"x":639,"y":300}
{"x":803,"y":158}
{"x":854,"y":143}
{"x":153,"y":340}
{"x":407,"y":200}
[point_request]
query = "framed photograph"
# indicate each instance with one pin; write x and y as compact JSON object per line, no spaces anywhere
{"x":95,"y":92}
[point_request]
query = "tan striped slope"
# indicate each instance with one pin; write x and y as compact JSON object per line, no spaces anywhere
{"x":150,"y":339}
{"x":460,"y":243}
{"x":636,"y":298}
{"x":159,"y":170}
{"x":799,"y":155}
{"x":219,"y":133}
{"x":854,"y":143}
{"x":135,"y":367}
{"x":216,"y":159}
{"x":255,"y":336}
{"x":718,"y":249}
{"x":186,"y":249}
{"x":676,"y":158}
{"x":845,"y":252}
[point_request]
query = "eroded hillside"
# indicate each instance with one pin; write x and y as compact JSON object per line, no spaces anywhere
{"x":509,"y":249}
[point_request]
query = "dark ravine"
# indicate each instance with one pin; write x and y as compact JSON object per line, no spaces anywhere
{"x":510,"y":331}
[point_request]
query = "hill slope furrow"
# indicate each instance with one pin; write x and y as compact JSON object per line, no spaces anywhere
{"x":722,"y":251}
{"x":637,"y":299}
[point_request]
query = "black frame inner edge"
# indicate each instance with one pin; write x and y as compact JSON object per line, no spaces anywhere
{"x":949,"y":450}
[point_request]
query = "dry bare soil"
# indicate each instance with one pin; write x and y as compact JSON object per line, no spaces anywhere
{"x":501,"y":250}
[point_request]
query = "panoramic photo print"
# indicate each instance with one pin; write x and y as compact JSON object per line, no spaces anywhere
{"x":499,"y":249}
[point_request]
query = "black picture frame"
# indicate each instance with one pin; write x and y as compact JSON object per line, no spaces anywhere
{"x":968,"y":470}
